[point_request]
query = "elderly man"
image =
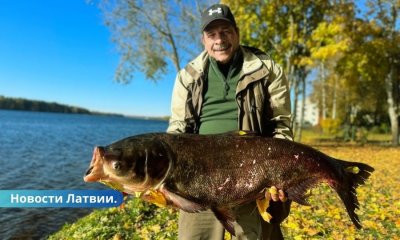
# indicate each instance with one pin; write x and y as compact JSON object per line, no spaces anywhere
{"x":231,"y":87}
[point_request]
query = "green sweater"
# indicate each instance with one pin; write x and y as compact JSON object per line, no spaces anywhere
{"x":219,"y":111}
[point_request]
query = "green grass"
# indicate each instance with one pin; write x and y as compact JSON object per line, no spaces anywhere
{"x":136,"y":220}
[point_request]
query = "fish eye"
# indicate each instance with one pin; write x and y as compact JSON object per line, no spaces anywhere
{"x":116,"y":165}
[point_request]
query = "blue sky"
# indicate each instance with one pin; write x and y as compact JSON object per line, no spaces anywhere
{"x":60,"y":51}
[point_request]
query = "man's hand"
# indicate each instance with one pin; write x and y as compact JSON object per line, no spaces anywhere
{"x":276,"y":194}
{"x":263,"y":203}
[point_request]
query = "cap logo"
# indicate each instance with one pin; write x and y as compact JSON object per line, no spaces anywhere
{"x":212,"y":11}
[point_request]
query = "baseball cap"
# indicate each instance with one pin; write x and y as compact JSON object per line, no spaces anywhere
{"x":216,"y":12}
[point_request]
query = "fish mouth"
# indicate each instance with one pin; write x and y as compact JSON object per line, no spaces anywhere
{"x":89,"y":170}
{"x":91,"y":177}
{"x":95,"y":172}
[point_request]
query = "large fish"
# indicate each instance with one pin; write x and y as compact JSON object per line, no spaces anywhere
{"x":218,"y":172}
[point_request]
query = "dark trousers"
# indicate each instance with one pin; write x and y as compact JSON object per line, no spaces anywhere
{"x":249,"y":225}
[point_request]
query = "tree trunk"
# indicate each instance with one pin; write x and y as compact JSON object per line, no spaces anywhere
{"x":392,"y":105}
{"x":296,"y":100}
{"x":302,"y":108}
{"x":334,"y":98}
{"x":323,"y":80}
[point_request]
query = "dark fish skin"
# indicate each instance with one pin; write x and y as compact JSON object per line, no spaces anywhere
{"x":218,"y":172}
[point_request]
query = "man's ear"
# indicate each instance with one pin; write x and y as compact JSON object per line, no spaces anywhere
{"x":202,"y":38}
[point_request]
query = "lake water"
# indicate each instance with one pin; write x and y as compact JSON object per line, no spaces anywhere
{"x":52,"y":151}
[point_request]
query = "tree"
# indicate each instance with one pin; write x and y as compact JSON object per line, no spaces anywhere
{"x":328,"y":44}
{"x":361,"y":69}
{"x":151,"y":36}
{"x":384,"y":41}
{"x":387,"y":12}
{"x":363,"y":66}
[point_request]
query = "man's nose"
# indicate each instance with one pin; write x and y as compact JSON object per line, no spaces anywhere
{"x":219,"y":40}
{"x":220,"y":37}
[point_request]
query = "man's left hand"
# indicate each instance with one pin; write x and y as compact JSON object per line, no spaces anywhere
{"x":276,"y":195}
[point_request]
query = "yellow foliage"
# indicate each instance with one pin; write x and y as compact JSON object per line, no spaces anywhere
{"x":330,"y":126}
{"x":262,"y":205}
{"x":328,"y":41}
{"x":117,"y":237}
{"x":155,"y":197}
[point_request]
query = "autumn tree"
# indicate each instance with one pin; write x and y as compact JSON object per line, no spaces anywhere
{"x":360,"y":70}
{"x":152,"y":36}
{"x":385,"y":17}
{"x":370,"y":67}
{"x":328,"y":44}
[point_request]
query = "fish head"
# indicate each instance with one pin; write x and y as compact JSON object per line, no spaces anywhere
{"x":108,"y":166}
{"x":129,"y":165}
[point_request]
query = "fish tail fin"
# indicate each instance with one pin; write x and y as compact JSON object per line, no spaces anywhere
{"x":356,"y":175}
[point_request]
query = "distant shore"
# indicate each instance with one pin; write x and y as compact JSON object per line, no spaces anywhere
{"x":22,"y":104}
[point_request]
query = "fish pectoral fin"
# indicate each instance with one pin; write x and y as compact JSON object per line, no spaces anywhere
{"x":262,"y":205}
{"x":155,"y":197}
{"x":298,"y":193}
{"x":114,"y":185}
{"x":226,"y":217}
{"x":181,"y":202}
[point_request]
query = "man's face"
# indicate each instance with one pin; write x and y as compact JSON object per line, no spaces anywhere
{"x":221,"y":40}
